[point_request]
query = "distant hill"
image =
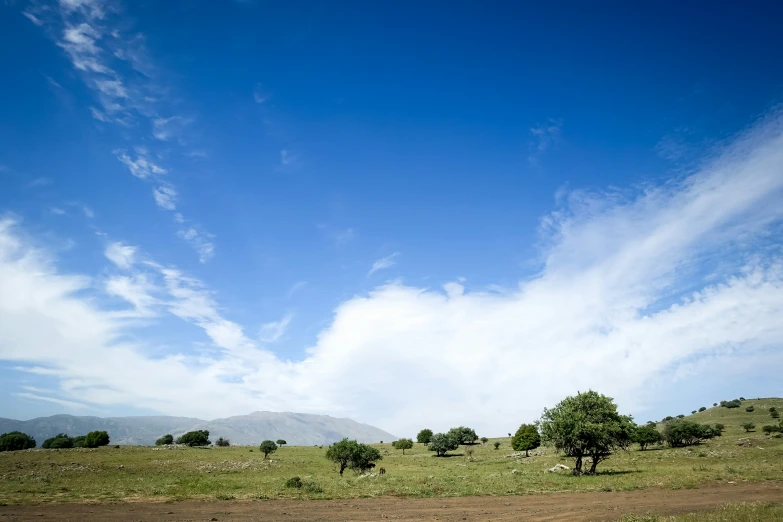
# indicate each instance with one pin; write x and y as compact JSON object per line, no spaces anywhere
{"x":734,"y":418}
{"x":298,"y":429}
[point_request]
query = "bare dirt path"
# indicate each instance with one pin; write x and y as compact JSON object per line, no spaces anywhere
{"x":569,"y":507}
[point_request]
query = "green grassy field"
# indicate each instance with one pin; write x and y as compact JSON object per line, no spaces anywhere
{"x":752,"y":512}
{"x":143,"y":473}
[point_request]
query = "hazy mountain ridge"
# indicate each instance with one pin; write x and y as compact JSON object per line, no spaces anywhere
{"x":295,"y":428}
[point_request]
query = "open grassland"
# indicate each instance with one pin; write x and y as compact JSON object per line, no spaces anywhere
{"x":746,"y":512}
{"x":177,"y":473}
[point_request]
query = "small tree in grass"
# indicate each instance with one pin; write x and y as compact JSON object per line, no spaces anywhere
{"x":59,"y":441}
{"x":16,"y":440}
{"x":164,"y":440}
{"x":281,"y":442}
{"x":354,"y":455}
{"x":484,"y":440}
{"x":749,"y":426}
{"x":222,"y":443}
{"x":526,"y":438}
{"x":464,"y":435}
{"x":646,"y":435}
{"x":702,"y":408}
{"x":750,"y":409}
{"x":195,"y":438}
{"x":775,"y":414}
{"x":403,"y":444}
{"x":497,"y":445}
{"x":443,"y":442}
{"x":586,"y":425}
{"x":268,"y":447}
{"x":720,"y":427}
{"x":424,"y":436}
{"x":772,"y":429}
{"x":95,"y":439}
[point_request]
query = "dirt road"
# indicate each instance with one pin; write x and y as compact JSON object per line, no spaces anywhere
{"x":569,"y":507}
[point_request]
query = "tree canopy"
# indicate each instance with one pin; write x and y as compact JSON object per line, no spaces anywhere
{"x":59,"y":441}
{"x":164,"y":440}
{"x":16,"y":440}
{"x":403,"y":444}
{"x":680,"y":433}
{"x":281,"y":442}
{"x":464,"y":435}
{"x":526,"y":438}
{"x":268,"y":447}
{"x":440,"y":443}
{"x":222,"y":443}
{"x":351,"y":454}
{"x":586,"y":425}
{"x":95,"y":439}
{"x":195,"y":438}
{"x":646,"y":435}
{"x":424,"y":436}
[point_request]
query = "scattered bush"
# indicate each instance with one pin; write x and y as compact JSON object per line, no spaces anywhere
{"x":464,"y":435}
{"x":497,"y":445}
{"x":775,"y":414}
{"x":693,"y":412}
{"x":294,"y":482}
{"x":195,"y":438}
{"x":95,"y":439}
{"x":702,"y":408}
{"x":586,"y":425}
{"x":16,"y":440}
{"x":749,"y":426}
{"x":268,"y":447}
{"x":80,"y":441}
{"x":680,"y":416}
{"x":742,"y":398}
{"x":736,"y":403}
{"x":351,"y":454}
{"x":771,"y":429}
{"x":646,"y":435}
{"x":526,"y":438}
{"x":667,"y":418}
{"x":484,"y":440}
{"x":720,"y":427}
{"x":750,"y":409}
{"x":443,"y":442}
{"x":403,"y":444}
{"x":222,"y":443}
{"x":773,"y":409}
{"x":281,"y":442}
{"x":59,"y":441}
{"x":681,"y":433}
{"x":424,"y":436}
{"x":164,"y":440}
{"x":714,"y":404}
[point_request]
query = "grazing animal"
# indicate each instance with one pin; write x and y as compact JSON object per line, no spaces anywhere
{"x":381,"y":471}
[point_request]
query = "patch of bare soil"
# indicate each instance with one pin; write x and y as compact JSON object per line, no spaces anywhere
{"x":569,"y":507}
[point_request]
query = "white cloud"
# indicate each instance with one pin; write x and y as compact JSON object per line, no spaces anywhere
{"x":34,"y":19}
{"x":286,"y":157}
{"x":57,"y":211}
{"x":165,"y":129}
{"x":124,"y":256}
{"x":544,"y":136}
{"x":272,"y":332}
{"x":60,"y":402}
{"x":259,"y":95}
{"x":296,"y":287}
{"x":201,"y":242}
{"x":112,"y":88}
{"x":165,"y":197}
{"x":142,"y":167}
{"x":620,"y":305}
{"x":88,"y":212}
{"x":383,"y":263}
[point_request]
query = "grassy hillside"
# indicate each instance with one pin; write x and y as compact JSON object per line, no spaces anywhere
{"x":137,"y":473}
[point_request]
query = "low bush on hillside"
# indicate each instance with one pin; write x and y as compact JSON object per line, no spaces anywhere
{"x":195,"y":438}
{"x":646,"y":435}
{"x":681,"y":433}
{"x":402,"y":444}
{"x":748,"y":426}
{"x":750,"y":409}
{"x":441,"y":443}
{"x":222,"y":443}
{"x":736,"y":403}
{"x":164,"y":440}
{"x":352,"y":454}
{"x":268,"y":447}
{"x":703,"y":408}
{"x":59,"y":441}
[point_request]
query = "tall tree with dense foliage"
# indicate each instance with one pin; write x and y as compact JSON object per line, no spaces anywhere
{"x":59,"y":441}
{"x":586,"y":425}
{"x":440,"y":443}
{"x":424,"y":436}
{"x":195,"y":438}
{"x":96,"y":439}
{"x":526,"y":438}
{"x":15,"y":441}
{"x":352,"y":454}
{"x":464,"y":435}
{"x":268,"y":447}
{"x":403,"y":444}
{"x":680,"y":433}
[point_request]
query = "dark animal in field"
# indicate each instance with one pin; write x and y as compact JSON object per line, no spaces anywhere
{"x":381,"y":471}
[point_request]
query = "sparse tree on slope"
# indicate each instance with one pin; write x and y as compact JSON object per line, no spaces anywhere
{"x":464,"y":435}
{"x":646,"y":435}
{"x":165,"y":440}
{"x":349,"y":453}
{"x":403,"y":444}
{"x":443,"y":442}
{"x":586,"y":425}
{"x":195,"y":438}
{"x":16,"y":440}
{"x":281,"y":442}
{"x":748,"y":426}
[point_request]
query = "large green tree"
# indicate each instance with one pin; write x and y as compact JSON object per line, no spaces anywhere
{"x":96,"y":439}
{"x":586,"y":425}
{"x":526,"y":438}
{"x":268,"y":447}
{"x":424,"y":436}
{"x":352,"y":454}
{"x":464,"y":435}
{"x":195,"y":438}
{"x":679,"y":433}
{"x":16,"y":440}
{"x":646,"y":435}
{"x":59,"y":441}
{"x":440,"y":443}
{"x":164,"y":440}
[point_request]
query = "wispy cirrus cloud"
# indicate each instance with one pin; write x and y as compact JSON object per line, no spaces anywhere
{"x":543,"y":137}
{"x":383,"y":263}
{"x":114,"y":63}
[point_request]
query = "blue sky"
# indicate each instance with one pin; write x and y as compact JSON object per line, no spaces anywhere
{"x":340,"y":207}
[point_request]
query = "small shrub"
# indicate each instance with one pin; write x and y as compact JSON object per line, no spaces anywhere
{"x":16,"y":440}
{"x":680,"y":416}
{"x":95,"y":439}
{"x":749,"y":426}
{"x":165,"y":440}
{"x":59,"y":441}
{"x":773,"y":409}
{"x":312,"y":487}
{"x":750,"y":409}
{"x":714,"y":404}
{"x":775,"y":415}
{"x":497,"y":445}
{"x":222,"y":443}
{"x":693,"y":412}
{"x":195,"y":438}
{"x":403,"y":444}
{"x":742,"y":398}
{"x":484,"y":440}
{"x":771,"y":429}
{"x":702,"y":408}
{"x":736,"y":403}
{"x":720,"y":427}
{"x":281,"y":442}
{"x":268,"y":447}
{"x":294,"y":482}
{"x":668,"y":418}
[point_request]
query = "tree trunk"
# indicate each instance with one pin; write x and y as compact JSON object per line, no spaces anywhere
{"x":342,"y":468}
{"x":578,"y":465}
{"x":593,"y":465}
{"x":525,"y":453}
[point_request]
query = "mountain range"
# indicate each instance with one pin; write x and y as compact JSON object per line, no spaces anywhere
{"x":299,"y":429}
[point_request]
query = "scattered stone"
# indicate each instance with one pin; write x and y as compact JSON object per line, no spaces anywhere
{"x":558,"y":467}
{"x":514,"y":471}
